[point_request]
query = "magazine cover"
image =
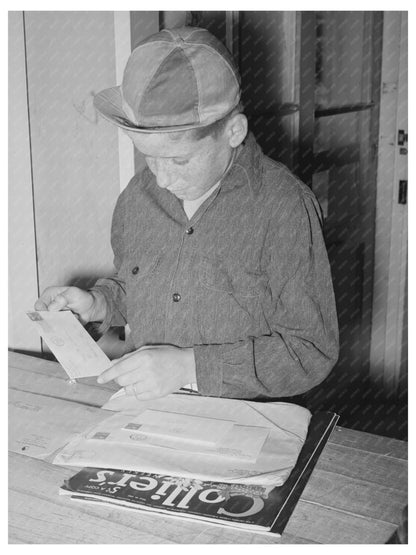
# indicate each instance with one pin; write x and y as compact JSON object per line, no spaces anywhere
{"x":257,"y":508}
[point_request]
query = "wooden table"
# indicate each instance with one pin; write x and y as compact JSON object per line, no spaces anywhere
{"x":355,"y":495}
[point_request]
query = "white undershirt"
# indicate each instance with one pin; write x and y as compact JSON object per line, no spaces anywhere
{"x":191,"y":206}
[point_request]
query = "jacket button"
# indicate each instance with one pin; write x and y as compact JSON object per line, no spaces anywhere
{"x":176,"y":297}
{"x":189,"y":231}
{"x":135,"y":270}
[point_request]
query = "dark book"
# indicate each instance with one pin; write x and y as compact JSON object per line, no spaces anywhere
{"x":250,"y":507}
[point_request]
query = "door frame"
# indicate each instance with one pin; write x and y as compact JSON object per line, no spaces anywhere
{"x":389,"y":318}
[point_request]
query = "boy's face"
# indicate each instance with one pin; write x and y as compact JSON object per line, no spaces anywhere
{"x":186,"y":167}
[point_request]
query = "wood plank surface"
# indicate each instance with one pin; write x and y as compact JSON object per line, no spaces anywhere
{"x":85,"y":392}
{"x":325,"y":526}
{"x":50,"y":518}
{"x":355,"y":494}
{"x":387,"y":446}
{"x":364,"y":465}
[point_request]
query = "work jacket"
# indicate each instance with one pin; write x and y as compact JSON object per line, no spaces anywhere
{"x":245,"y":282}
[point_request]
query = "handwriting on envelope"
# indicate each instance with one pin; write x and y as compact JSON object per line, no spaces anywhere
{"x":70,"y":342}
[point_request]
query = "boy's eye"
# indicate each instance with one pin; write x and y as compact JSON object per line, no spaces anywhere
{"x":179,"y":162}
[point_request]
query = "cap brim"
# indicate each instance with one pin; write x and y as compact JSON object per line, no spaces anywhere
{"x":109,"y":104}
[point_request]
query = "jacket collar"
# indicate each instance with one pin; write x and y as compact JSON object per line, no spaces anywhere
{"x":247,"y":168}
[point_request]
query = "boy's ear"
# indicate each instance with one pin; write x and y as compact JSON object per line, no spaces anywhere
{"x":237,"y":128}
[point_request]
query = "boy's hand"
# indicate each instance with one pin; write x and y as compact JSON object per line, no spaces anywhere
{"x":90,"y":307}
{"x":152,"y":371}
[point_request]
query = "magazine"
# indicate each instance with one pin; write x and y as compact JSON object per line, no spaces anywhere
{"x":250,"y":507}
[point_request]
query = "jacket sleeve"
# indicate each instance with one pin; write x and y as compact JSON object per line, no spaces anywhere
{"x":303,"y":346}
{"x":113,"y":288}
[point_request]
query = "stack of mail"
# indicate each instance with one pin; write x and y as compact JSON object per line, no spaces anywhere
{"x":246,"y":442}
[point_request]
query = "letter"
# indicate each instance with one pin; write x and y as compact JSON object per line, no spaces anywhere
{"x":183,"y":502}
{"x":101,"y":476}
{"x":256,"y":507}
{"x":204,"y":494}
{"x":115,"y":489}
{"x":152,"y":483}
{"x":162,"y":490}
{"x":123,"y":481}
{"x":172,"y":497}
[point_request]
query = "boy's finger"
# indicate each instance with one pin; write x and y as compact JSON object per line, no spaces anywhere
{"x":117,"y":368}
{"x":58,"y":303}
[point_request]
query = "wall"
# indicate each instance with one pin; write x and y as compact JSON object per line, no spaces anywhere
{"x":62,"y":196}
{"x":23,"y":287}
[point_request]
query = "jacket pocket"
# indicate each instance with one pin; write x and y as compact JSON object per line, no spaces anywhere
{"x":229,"y":305}
{"x":233,"y":279}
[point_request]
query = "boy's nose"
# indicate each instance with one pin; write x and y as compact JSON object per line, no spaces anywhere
{"x":161,"y":172}
{"x":163,"y":178}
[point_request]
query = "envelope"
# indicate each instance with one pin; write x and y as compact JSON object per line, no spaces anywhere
{"x":69,"y":341}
